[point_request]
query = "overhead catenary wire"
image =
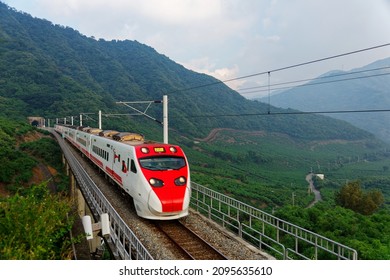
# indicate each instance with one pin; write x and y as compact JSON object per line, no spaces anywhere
{"x":314,"y":84}
{"x":290,"y":67}
{"x":271,"y":86}
{"x":309,"y":62}
{"x":292,"y":113}
{"x":280,"y":69}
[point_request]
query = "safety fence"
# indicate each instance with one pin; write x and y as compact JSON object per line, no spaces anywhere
{"x":279,"y":238}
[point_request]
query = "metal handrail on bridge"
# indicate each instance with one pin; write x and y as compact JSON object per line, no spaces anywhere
{"x":280,"y":238}
{"x":125,"y":243}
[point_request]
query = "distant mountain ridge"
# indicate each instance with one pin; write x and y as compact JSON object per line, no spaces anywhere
{"x":365,"y":88}
{"x":54,"y":71}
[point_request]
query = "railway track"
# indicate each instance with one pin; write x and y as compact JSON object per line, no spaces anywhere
{"x":189,"y":243}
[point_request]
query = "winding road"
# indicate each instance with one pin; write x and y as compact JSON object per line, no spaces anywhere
{"x":317,"y":194}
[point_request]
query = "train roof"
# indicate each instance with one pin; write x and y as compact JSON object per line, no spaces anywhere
{"x":128,"y":136}
{"x":108,"y":133}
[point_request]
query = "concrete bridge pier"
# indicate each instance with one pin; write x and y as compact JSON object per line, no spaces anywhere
{"x":83,"y":208}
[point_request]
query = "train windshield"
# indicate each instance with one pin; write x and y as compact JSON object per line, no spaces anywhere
{"x":162,"y":163}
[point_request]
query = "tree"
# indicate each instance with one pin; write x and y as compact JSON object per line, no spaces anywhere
{"x":371,"y":202}
{"x":34,"y":225}
{"x":351,"y":196}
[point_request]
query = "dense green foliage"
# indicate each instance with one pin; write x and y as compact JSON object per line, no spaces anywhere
{"x":18,"y":157}
{"x":34,"y":225}
{"x":366,"y":234}
{"x":15,"y":166}
{"x":46,"y":149}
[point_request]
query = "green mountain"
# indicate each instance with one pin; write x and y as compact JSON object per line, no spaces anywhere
{"x":361,"y":89}
{"x":54,"y":71}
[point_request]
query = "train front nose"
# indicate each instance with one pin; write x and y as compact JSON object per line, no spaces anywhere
{"x":168,"y":200}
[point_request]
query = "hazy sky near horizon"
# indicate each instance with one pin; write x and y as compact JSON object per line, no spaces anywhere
{"x":234,"y":38}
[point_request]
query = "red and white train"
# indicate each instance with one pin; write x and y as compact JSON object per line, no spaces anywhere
{"x":155,"y":175}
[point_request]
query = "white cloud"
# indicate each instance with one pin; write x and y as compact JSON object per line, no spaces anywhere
{"x":179,"y":11}
{"x":204,"y":65}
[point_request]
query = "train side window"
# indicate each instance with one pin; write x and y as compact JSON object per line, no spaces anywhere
{"x":132,"y":167}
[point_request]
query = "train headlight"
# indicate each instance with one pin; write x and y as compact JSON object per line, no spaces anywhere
{"x":173,"y":149}
{"x":181,"y":181}
{"x":156,"y":182}
{"x":144,"y":150}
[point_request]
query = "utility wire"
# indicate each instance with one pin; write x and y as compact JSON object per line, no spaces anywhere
{"x":318,"y":78}
{"x":319,"y":83}
{"x":309,"y":62}
{"x":292,"y":113}
{"x":298,"y":112}
{"x":282,"y":68}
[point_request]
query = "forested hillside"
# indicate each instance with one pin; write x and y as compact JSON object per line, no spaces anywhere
{"x":54,"y":71}
{"x":29,"y":230}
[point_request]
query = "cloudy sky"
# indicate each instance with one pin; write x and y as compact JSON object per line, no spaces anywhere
{"x":235,"y":38}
